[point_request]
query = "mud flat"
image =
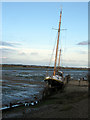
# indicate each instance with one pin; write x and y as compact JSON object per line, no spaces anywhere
{"x":71,"y":102}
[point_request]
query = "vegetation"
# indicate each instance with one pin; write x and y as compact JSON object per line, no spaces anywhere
{"x":35,"y":66}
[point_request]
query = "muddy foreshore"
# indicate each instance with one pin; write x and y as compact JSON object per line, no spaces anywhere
{"x":71,"y":102}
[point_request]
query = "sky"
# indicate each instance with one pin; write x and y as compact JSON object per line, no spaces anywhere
{"x":28,"y":36}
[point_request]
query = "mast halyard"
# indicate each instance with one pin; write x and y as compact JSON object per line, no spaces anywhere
{"x":57,"y":44}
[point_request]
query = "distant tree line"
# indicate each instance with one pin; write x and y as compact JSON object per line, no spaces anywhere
{"x":39,"y":66}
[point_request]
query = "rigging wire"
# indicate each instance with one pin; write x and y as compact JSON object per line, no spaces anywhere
{"x":60,"y":47}
{"x":63,"y":43}
{"x":53,"y":51}
{"x":65,"y":49}
{"x":52,"y":54}
{"x":60,"y":44}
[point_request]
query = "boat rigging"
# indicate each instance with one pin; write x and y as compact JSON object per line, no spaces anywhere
{"x":56,"y":80}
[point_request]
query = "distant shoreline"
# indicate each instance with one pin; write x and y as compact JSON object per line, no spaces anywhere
{"x":38,"y":66}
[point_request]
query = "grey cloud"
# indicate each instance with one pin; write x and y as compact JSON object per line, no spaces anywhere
{"x":83,"y":43}
{"x":7,"y":50}
{"x":83,"y":52}
{"x":8,"y":44}
{"x":22,"y":53}
{"x":74,"y":61}
{"x":34,"y":53}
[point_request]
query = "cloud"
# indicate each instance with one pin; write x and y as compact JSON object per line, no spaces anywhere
{"x":2,"y":43}
{"x":3,"y":57}
{"x":83,"y":52}
{"x":74,"y":63}
{"x":76,"y":57}
{"x":34,"y":53}
{"x":22,"y":53}
{"x":7,"y":49}
{"x":83,"y":43}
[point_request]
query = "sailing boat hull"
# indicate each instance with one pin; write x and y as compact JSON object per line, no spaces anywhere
{"x":55,"y":82}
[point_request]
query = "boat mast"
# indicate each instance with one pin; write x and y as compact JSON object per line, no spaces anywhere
{"x":57,"y":44}
{"x":59,"y":58}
